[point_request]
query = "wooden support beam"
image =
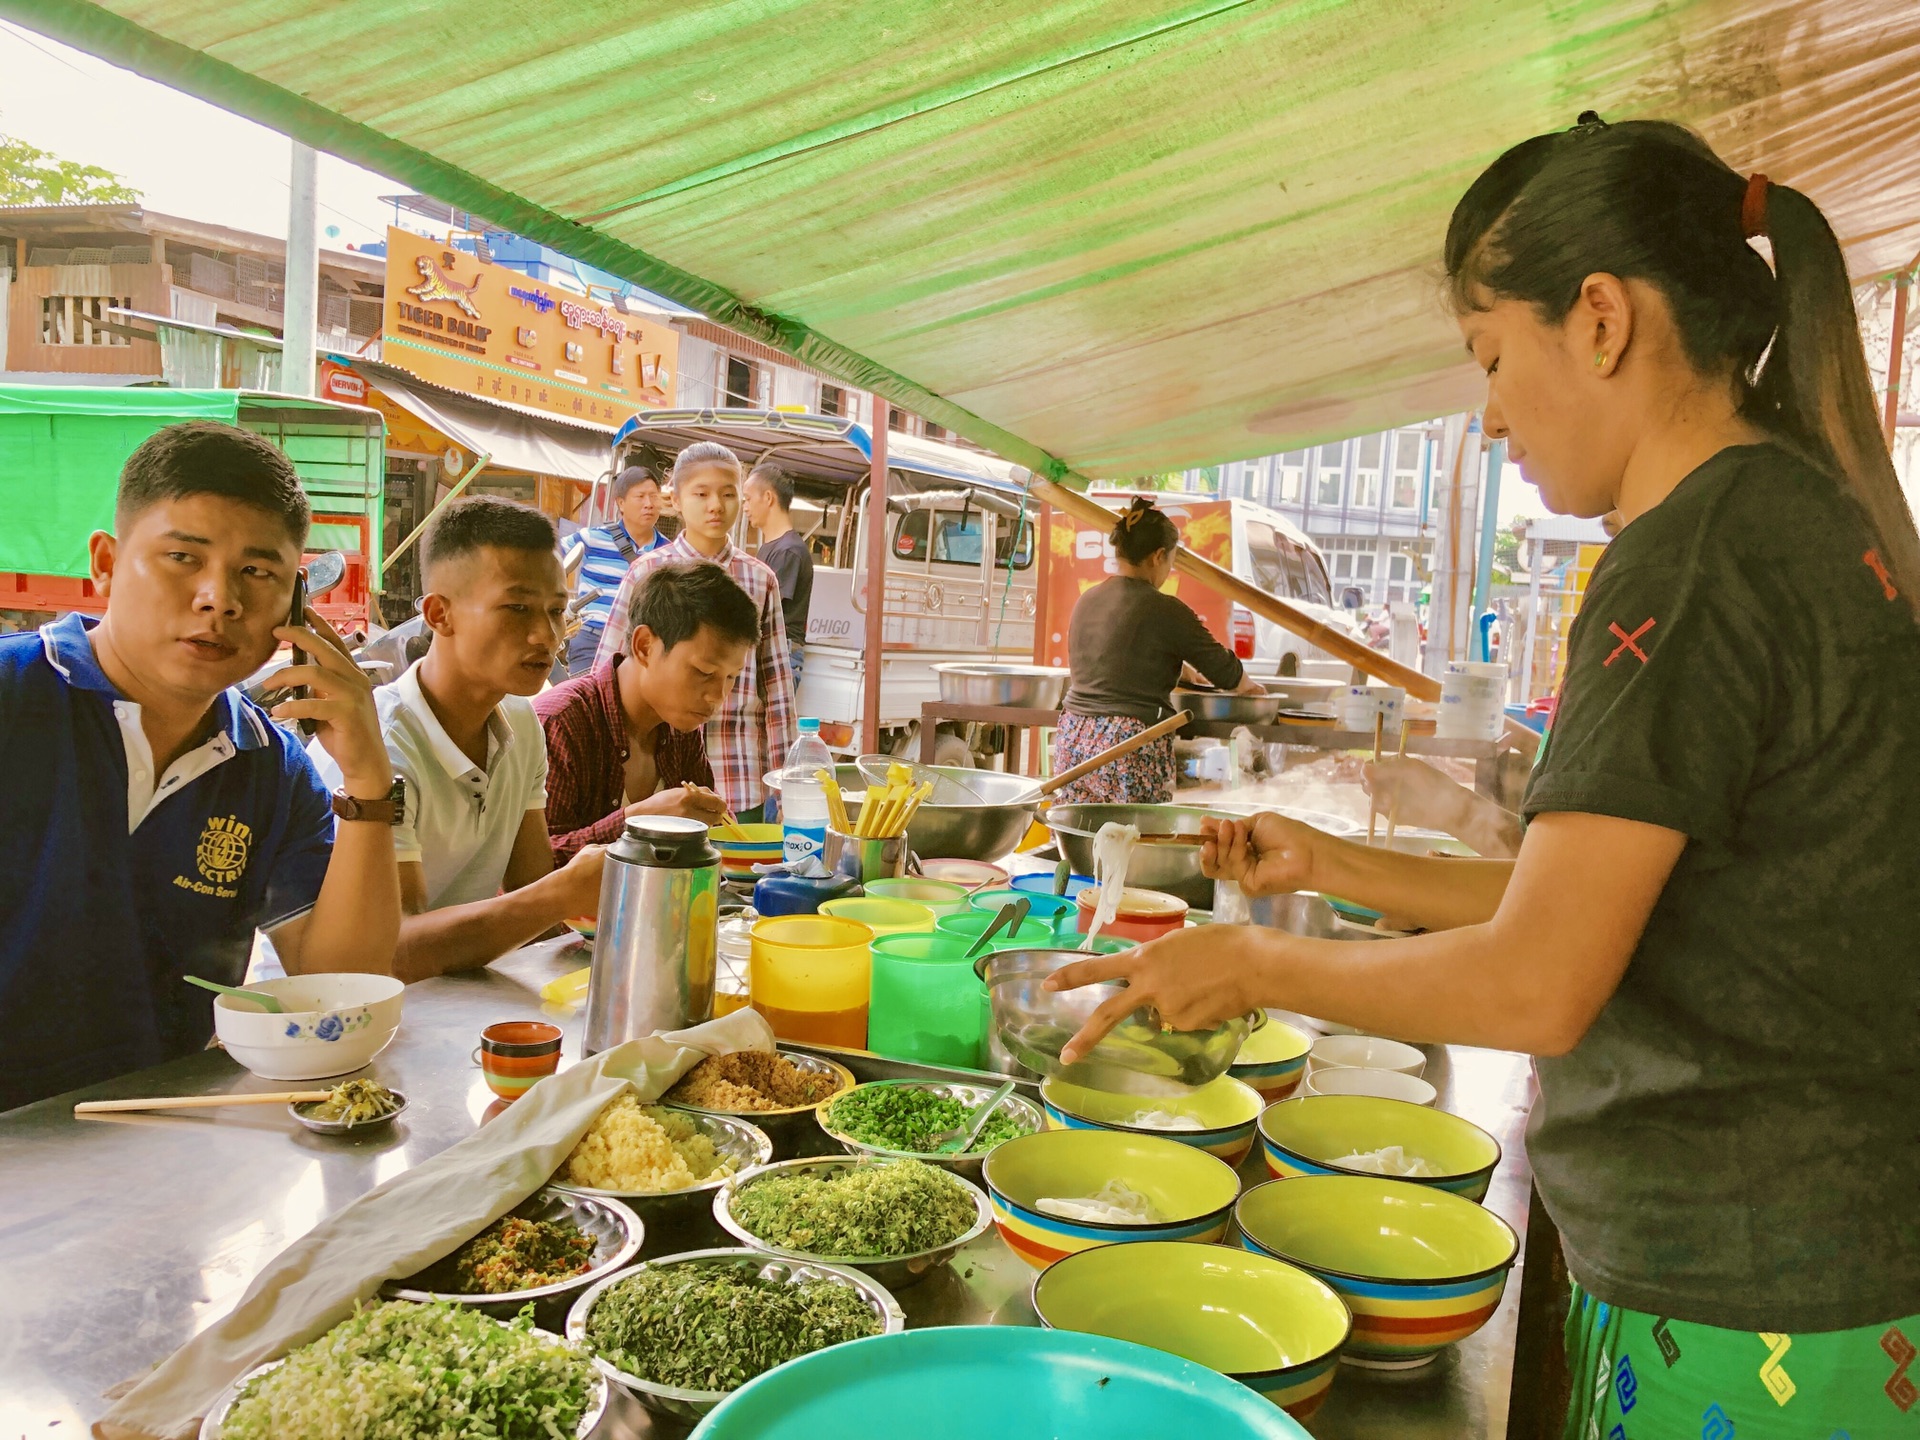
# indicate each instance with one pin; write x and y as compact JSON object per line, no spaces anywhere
{"x":1270,"y":607}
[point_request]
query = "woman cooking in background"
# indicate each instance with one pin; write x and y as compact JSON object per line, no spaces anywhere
{"x":1126,"y":645}
{"x":1707,"y":935}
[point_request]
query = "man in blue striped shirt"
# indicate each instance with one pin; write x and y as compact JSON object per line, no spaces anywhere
{"x":611,"y":548}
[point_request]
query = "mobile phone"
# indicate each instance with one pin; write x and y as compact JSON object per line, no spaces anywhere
{"x":298,"y":616}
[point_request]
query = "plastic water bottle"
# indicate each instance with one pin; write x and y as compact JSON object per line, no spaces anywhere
{"x":803,"y":800}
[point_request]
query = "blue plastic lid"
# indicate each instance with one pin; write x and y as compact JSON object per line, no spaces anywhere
{"x":809,"y":726}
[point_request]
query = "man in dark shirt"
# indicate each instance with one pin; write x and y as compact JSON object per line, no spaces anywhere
{"x":625,"y":739}
{"x":769,"y":503}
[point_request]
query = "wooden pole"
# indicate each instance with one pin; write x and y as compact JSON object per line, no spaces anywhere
{"x":1336,"y":643}
{"x":1901,"y":285}
{"x":1042,"y":581}
{"x":876,"y":579}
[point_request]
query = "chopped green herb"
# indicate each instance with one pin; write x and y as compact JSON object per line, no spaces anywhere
{"x":715,"y":1327}
{"x":514,"y":1254}
{"x":898,"y":1207}
{"x":398,"y":1372}
{"x":905,"y":1117}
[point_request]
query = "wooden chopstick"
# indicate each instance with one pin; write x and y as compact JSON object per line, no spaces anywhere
{"x":1379,"y":720}
{"x":198,"y":1102}
{"x":1393,"y":809}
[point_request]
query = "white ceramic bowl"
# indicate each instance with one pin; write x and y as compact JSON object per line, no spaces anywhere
{"x":332,"y":1025}
{"x":1365,"y":1052}
{"x":1387,"y":1084}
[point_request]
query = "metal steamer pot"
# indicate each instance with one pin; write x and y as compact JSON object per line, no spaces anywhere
{"x":986,"y":827}
{"x":1170,"y":869}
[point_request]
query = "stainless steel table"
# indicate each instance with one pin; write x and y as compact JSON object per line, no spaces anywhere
{"x":123,"y":1236}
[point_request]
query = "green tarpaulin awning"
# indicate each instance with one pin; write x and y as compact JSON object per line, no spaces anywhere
{"x":1119,"y":236}
{"x":60,"y":456}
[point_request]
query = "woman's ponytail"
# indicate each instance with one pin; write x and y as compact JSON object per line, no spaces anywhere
{"x":1649,"y":200}
{"x":1813,"y":386}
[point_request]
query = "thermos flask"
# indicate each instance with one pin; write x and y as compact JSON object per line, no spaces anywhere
{"x":653,"y":950}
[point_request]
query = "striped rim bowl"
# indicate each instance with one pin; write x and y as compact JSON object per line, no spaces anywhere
{"x":1419,"y":1268}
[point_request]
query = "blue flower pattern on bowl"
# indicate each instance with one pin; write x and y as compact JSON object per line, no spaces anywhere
{"x":330,"y":1026}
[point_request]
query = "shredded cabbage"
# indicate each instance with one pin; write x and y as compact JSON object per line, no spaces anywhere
{"x":398,"y":1371}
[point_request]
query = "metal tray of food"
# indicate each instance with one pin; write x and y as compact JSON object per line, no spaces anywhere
{"x":617,"y":1235}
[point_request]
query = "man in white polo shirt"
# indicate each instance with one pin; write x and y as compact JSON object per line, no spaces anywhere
{"x":476,"y":867}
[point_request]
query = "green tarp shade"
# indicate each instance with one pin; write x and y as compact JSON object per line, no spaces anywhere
{"x":60,"y":456}
{"x":1119,"y":236}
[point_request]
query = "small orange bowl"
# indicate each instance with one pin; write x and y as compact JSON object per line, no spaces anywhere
{"x":1144,"y":914}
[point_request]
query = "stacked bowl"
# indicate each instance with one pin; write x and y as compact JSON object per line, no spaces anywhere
{"x":1420,"y":1268}
{"x":1190,"y":1192}
{"x":1323,"y":1134}
{"x":1218,"y":1117}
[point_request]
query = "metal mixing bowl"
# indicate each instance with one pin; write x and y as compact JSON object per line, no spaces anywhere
{"x":988,"y":830}
{"x":216,"y":1416}
{"x":968,"y":1165}
{"x":1026,"y":687}
{"x":1033,"y":1023}
{"x":1170,"y":869}
{"x":692,"y":1405}
{"x":791,"y":1130}
{"x":1225,"y":706}
{"x":897,"y":1271}
{"x":617,"y":1236}
{"x":735,"y":1139}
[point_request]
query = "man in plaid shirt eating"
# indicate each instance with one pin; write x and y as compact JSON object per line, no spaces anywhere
{"x":752,"y":733}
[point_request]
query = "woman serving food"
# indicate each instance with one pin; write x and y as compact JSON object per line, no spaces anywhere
{"x":1707,"y":933}
{"x":1127,"y":645}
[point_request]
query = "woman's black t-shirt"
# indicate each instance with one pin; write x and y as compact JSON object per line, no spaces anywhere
{"x":1126,"y":643}
{"x":1736,"y":1141}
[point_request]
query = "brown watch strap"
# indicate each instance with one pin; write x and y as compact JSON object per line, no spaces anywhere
{"x":388,"y":811}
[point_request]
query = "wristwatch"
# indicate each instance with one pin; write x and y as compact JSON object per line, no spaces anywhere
{"x":391,"y":810}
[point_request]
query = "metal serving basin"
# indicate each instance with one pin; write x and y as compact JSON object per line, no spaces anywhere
{"x":1173,"y":869}
{"x":1224,"y":705}
{"x":987,"y":830}
{"x":1029,"y":687}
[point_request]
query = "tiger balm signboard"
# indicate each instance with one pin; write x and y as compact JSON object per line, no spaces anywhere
{"x":486,"y":330}
{"x":1081,"y":557}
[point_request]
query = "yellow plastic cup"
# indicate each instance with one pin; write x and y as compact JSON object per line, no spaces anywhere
{"x":942,"y":897}
{"x":880,"y":915}
{"x":810,"y":977}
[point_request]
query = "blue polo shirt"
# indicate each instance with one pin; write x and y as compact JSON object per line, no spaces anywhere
{"x":98,"y":925}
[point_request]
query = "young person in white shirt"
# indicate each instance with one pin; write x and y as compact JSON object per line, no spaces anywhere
{"x":476,"y":867}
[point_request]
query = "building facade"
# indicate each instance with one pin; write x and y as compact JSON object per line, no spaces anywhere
{"x":1366,"y":501}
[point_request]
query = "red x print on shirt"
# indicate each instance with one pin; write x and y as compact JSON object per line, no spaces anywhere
{"x":1626,"y":641}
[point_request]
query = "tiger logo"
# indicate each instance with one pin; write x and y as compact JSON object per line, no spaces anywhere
{"x":436,"y":285}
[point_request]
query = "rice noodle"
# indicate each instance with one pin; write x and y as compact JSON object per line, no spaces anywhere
{"x":1112,"y":852}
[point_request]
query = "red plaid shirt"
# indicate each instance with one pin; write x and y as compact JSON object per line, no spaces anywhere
{"x":587,"y":754}
{"x":755,"y":728}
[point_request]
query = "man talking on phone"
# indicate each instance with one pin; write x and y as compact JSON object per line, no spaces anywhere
{"x":155,"y":817}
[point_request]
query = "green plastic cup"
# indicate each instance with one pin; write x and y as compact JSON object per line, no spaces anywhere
{"x":972,"y":924}
{"x":926,"y":1002}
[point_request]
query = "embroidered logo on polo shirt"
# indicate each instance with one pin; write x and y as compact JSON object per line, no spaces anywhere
{"x":222,"y":852}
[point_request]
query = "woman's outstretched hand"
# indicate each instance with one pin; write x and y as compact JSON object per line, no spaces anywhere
{"x":1194,"y":978}
{"x":1266,"y":855}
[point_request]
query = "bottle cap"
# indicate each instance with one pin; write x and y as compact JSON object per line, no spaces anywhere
{"x":809,"y":726}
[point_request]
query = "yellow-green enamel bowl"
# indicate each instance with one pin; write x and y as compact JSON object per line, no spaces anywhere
{"x":1310,"y":1134}
{"x":1190,"y":1190}
{"x":1226,"y":1109}
{"x":1273,"y":1060}
{"x":1272,"y":1326}
{"x":1419,"y":1268}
